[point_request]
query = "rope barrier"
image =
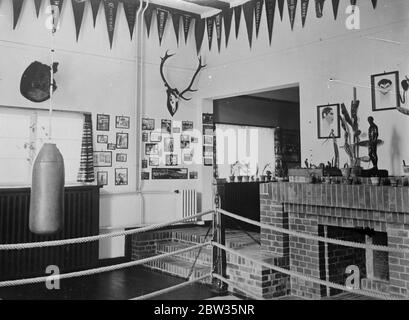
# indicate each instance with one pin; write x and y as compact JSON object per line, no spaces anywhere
{"x":215,"y":275}
{"x":88,"y":272}
{"x":54,"y":243}
{"x":307,"y":278}
{"x":312,"y":237}
{"x":167,"y":290}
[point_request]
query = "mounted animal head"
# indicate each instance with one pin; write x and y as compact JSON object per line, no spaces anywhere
{"x":173,"y":94}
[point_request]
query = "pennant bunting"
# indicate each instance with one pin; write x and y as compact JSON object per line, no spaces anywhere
{"x":111,"y":7}
{"x":78,"y":9}
{"x":319,"y":7}
{"x":335,"y":6}
{"x":270,"y":12}
{"x":258,"y":9}
{"x":227,"y":18}
{"x":304,"y":11}
{"x":59,"y":4}
{"x":130,"y":8}
{"x":210,"y":24}
{"x":148,"y":19}
{"x":248,"y":9}
{"x":186,"y":25}
{"x":37,"y":4}
{"x":353,"y":2}
{"x":17,"y":5}
{"x":218,"y":25}
{"x":374,"y":3}
{"x":161,"y":18}
{"x":199,"y":32}
{"x":176,"y":25}
{"x":237,"y":18}
{"x":95,"y":4}
{"x":292,"y":8}
{"x":281,"y":8}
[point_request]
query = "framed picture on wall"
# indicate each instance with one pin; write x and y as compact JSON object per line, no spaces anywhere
{"x":151,"y":149}
{"x":148,"y":124}
{"x":385,"y":91}
{"x":328,"y":121}
{"x":102,"y":159}
{"x":102,"y":178}
{"x":122,"y":140}
{"x":122,"y":122}
{"x":121,"y":157}
{"x":154,"y":161}
{"x":102,"y":138}
{"x":171,"y":160}
{"x":168,"y":144}
{"x":187,"y":125}
{"x":166,"y":126}
{"x":121,"y":177}
{"x":111,"y":146}
{"x":102,"y":122}
{"x":156,"y":136}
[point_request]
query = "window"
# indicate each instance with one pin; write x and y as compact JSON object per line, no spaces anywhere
{"x":22,"y":134}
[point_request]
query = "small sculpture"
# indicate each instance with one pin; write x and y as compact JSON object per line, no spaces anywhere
{"x":373,"y":134}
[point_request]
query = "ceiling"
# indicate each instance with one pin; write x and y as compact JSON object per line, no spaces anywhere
{"x":204,"y":8}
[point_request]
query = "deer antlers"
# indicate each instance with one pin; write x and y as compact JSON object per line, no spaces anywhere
{"x":189,"y":88}
{"x":166,"y":57}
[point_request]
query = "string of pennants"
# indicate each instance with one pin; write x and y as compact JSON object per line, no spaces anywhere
{"x":252,"y":10}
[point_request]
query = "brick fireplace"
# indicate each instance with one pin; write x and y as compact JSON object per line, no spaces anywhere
{"x":359,"y":213}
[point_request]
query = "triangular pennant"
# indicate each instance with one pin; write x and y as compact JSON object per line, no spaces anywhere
{"x":17,"y":5}
{"x":218,"y":25}
{"x":210,"y":24}
{"x":111,"y":7}
{"x":281,"y":8}
{"x":161,"y":18}
{"x":130,"y":8}
{"x":78,"y":8}
{"x":248,"y":9}
{"x":335,"y":6}
{"x":37,"y":4}
{"x":292,"y":8}
{"x":258,"y":9}
{"x":148,"y":19}
{"x":176,"y":25}
{"x":199,"y":32}
{"x":95,"y":4}
{"x":304,"y":11}
{"x":353,"y":2}
{"x":319,"y":7}
{"x":57,"y":3}
{"x":186,"y":25}
{"x":270,"y":12}
{"x":374,"y":3}
{"x":227,"y":18}
{"x":237,"y":18}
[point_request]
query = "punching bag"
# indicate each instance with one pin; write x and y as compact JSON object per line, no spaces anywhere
{"x":47,"y":191}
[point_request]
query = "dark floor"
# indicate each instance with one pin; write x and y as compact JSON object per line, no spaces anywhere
{"x":122,"y":284}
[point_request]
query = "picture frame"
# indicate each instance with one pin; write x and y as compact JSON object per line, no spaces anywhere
{"x":121,"y":157}
{"x":102,"y":178}
{"x":208,"y":130}
{"x":151,"y":149}
{"x":103,"y":122}
{"x":208,"y":140}
{"x":111,"y":146}
{"x":148,"y":124}
{"x":144,"y":175}
{"x":193,"y":175}
{"x":166,"y":126}
{"x":154,"y":161}
{"x":328,"y":120}
{"x":385,"y":91}
{"x":208,"y":161}
{"x":187,"y":125}
{"x":168,"y":144}
{"x":121,"y":176}
{"x":156,"y":136}
{"x":184,"y":141}
{"x":145,"y":136}
{"x":171,"y":160}
{"x":101,"y":138}
{"x":176,"y":130}
{"x":102,"y":159}
{"x":144,"y":164}
{"x":207,"y":151}
{"x":169,"y":173}
{"x":122,"y":122}
{"x":122,"y":140}
{"x":194,"y":139}
{"x":207,"y":118}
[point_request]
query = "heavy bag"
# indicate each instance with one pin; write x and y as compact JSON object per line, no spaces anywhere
{"x":47,"y":191}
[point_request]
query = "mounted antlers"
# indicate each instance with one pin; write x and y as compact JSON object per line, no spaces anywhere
{"x":173,"y":94}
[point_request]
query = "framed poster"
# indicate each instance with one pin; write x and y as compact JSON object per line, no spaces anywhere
{"x":111,"y":146}
{"x":171,"y":160}
{"x":102,"y":122}
{"x":122,"y":140}
{"x":168,"y":144}
{"x":184,"y":141}
{"x":145,"y":175}
{"x":169,"y":173}
{"x":145,"y":136}
{"x":187,"y":125}
{"x":148,"y":124}
{"x":122,"y":122}
{"x":156,"y":137}
{"x":385,"y":91}
{"x":208,"y":161}
{"x":102,"y":138}
{"x":121,"y":157}
{"x":208,"y":140}
{"x":154,"y":161}
{"x":144,"y":164}
{"x":121,"y":177}
{"x":328,"y":121}
{"x":151,"y":149}
{"x":102,"y":158}
{"x":193,"y":175}
{"x":102,"y":178}
{"x":166,"y":126}
{"x":207,"y":118}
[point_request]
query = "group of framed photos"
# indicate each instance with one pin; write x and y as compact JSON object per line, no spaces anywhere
{"x":208,"y":138}
{"x":104,"y":159}
{"x":385,"y":96}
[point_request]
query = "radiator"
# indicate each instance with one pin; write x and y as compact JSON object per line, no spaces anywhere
{"x":187,"y":204}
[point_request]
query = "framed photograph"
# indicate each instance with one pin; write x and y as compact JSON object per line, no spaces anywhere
{"x":187,"y":157}
{"x":122,"y":140}
{"x":194,"y":140}
{"x":122,"y":122}
{"x":184,"y":141}
{"x":102,"y":138}
{"x":187,"y":125}
{"x":144,"y":175}
{"x":208,"y":130}
{"x":328,"y":121}
{"x":102,"y":159}
{"x":144,"y":164}
{"x":207,"y":151}
{"x":193,"y":175}
{"x":102,"y":178}
{"x":156,"y":137}
{"x":121,"y":157}
{"x":151,"y":149}
{"x":208,"y":161}
{"x":145,"y":136}
{"x":385,"y":91}
{"x":207,"y":118}
{"x":208,"y":140}
{"x":102,"y":122}
{"x":166,"y":126}
{"x":171,"y":160}
{"x":154,"y":161}
{"x":111,"y":146}
{"x":169,"y":173}
{"x":121,"y":177}
{"x":176,"y":130}
{"x":148,"y":124}
{"x":168,"y":145}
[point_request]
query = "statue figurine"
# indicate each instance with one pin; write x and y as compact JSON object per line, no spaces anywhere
{"x":373,"y":134}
